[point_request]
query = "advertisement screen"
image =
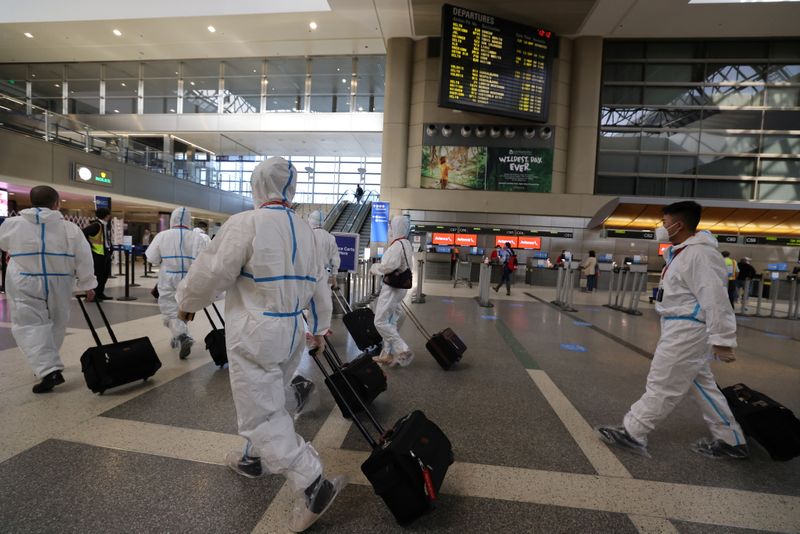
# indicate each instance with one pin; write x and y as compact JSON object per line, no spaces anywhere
{"x":530,"y":243}
{"x":467,"y":240}
{"x":443,"y":239}
{"x":501,"y":240}
{"x":662,"y":247}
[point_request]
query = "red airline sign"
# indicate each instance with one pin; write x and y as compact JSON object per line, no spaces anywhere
{"x":501,"y":240}
{"x":467,"y":240}
{"x":662,"y":247}
{"x":443,"y":239}
{"x":531,"y":243}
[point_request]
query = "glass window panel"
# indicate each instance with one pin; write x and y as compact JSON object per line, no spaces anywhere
{"x":723,"y":143}
{"x":46,"y":89}
{"x":200,"y":68}
{"x":161,"y":69}
{"x":650,"y":186}
{"x":122,"y":70}
{"x":781,"y":144}
{"x":655,"y":141}
{"x":14,"y":71}
{"x":47,"y":71}
{"x":330,"y":103}
{"x":323,"y":165}
{"x":615,"y":185}
{"x":779,"y":191}
{"x":669,"y":118}
{"x":616,"y":162}
{"x":783,"y":98}
{"x":727,"y":95}
{"x":673,"y":50}
{"x":736,"y":49}
{"x":726,"y":166}
{"x":243,"y":67}
{"x":84,"y":88}
{"x":730,"y":73}
{"x":652,"y":164}
{"x":232,"y":103}
{"x":160,"y":105}
{"x":84,"y":106}
{"x":286,"y":66}
{"x":785,"y":49}
{"x":681,"y":165}
{"x":783,"y":74}
{"x":732,"y":120}
{"x":781,"y":120}
{"x":619,"y":140}
{"x":368,"y":103}
{"x":684,"y":142}
{"x":83,"y":71}
{"x":672,"y":96}
{"x":780,"y":167}
{"x":243,"y":86}
{"x":331,"y":66}
{"x":12,"y":87}
{"x":120,"y":105}
{"x":725,"y":189}
{"x":161,"y":87}
{"x":623,"y":72}
{"x":330,"y":85}
{"x":378,"y":104}
{"x":371,"y":72}
{"x":286,"y":85}
{"x":622,"y":95}
{"x":199,"y":100}
{"x":284,"y":103}
{"x":623,"y":49}
{"x":121,"y":87}
{"x":50,"y":104}
{"x":324,"y":188}
{"x":673,"y":72}
{"x":680,"y":188}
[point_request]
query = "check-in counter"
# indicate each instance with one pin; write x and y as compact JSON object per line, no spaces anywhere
{"x":437,"y":267}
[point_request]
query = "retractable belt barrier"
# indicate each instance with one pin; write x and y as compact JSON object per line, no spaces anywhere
{"x":484,"y":282}
{"x":565,"y":287}
{"x":419,"y":296}
{"x":128,"y":274}
{"x":759,"y":285}
{"x":625,"y":289}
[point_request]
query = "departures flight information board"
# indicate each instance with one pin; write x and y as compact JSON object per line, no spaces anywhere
{"x":496,"y":66}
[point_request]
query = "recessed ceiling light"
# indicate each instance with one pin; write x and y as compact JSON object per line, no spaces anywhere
{"x":116,"y":111}
{"x":29,"y":35}
{"x":122,"y":84}
{"x":254,"y":70}
{"x":344,"y":80}
{"x":116,"y":32}
{"x":56,"y":85}
{"x":191,"y":83}
{"x":172,"y":111}
{"x":360,"y":108}
{"x":33,"y":76}
{"x":212,"y":29}
{"x":312,"y":25}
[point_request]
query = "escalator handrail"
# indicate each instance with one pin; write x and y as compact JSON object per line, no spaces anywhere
{"x":338,"y":208}
{"x":360,"y":214}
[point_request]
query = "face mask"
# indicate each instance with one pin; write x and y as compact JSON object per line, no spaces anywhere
{"x":662,"y":233}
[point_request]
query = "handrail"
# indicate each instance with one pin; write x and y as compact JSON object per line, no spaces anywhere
{"x":357,"y":215}
{"x":338,"y":208}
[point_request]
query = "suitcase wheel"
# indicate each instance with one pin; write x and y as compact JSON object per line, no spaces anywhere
{"x":101,"y":392}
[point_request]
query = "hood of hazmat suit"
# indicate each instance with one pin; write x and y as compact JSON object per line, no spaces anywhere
{"x":266,"y":259}
{"x":175,"y":249}
{"x":47,"y":254}
{"x":316,"y":219}
{"x":327,"y":248}
{"x":400,"y":254}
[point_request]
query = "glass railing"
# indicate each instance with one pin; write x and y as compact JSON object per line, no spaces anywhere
{"x":18,"y":116}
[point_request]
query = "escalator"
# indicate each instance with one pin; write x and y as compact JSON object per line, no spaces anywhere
{"x":348,"y":217}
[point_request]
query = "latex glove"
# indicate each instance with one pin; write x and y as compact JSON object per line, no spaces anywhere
{"x":185,"y":316}
{"x":723,"y":354}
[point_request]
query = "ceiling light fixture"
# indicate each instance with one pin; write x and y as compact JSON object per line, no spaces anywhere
{"x":123,"y":84}
{"x":56,"y":85}
{"x":28,"y":35}
{"x":116,"y":111}
{"x":344,"y":80}
{"x":172,"y":110}
{"x":116,"y":32}
{"x":212,"y":29}
{"x":191,"y":83}
{"x":312,"y":25}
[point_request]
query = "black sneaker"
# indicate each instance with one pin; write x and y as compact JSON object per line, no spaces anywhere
{"x":617,"y":435}
{"x":49,"y":382}
{"x":302,"y":391}
{"x":248,"y":466}
{"x":719,"y":450}
{"x":186,"y":343}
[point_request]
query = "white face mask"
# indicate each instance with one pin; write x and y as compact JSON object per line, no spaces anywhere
{"x":662,"y":233}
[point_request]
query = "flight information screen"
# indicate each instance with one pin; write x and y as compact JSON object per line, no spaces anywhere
{"x":496,"y":66}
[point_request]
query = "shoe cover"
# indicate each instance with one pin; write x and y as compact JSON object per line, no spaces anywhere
{"x":718,"y":450}
{"x":404,"y":359}
{"x":302,"y":516}
{"x":233,"y":459}
{"x":293,"y":405}
{"x":617,"y":435}
{"x":385,"y":358}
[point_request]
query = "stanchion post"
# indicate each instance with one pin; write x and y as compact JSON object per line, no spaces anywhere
{"x":133,"y":267}
{"x":559,"y":279}
{"x":773,"y":295}
{"x":484,"y":282}
{"x":611,"y":282}
{"x":792,"y":297}
{"x":637,"y":294}
{"x":418,"y":297}
{"x":746,"y":296}
{"x":760,"y":294}
{"x":119,"y":261}
{"x":127,"y":280}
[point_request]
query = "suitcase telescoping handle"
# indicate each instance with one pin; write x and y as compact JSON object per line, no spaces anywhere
{"x":219,"y":315}
{"x":91,"y":325}
{"x":415,"y":321}
{"x":341,"y":300}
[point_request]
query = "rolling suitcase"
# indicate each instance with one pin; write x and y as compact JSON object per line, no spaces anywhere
{"x":445,"y":346}
{"x":366,"y":377}
{"x":117,"y":363}
{"x":773,"y":425}
{"x":360,"y":324}
{"x":408,"y":463}
{"x":215,"y":340}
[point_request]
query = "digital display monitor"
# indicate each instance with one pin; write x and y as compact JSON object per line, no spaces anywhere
{"x":467,"y":240}
{"x":496,"y":66}
{"x":530,"y":243}
{"x":501,"y":240}
{"x":443,"y":239}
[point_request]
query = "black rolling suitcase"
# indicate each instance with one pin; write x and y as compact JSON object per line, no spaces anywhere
{"x":366,"y":377}
{"x":215,"y":340}
{"x":408,"y":463}
{"x":360,"y":324}
{"x":773,"y":425}
{"x":118,"y":363}
{"x":445,"y":346}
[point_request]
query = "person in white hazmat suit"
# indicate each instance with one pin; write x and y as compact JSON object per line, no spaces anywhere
{"x":388,"y":311}
{"x":47,"y":254}
{"x":267,"y":262}
{"x":328,"y":252}
{"x":175,"y":250}
{"x":697,"y":325}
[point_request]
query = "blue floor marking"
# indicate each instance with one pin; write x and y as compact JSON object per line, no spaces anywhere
{"x":581,"y":323}
{"x":573,"y":347}
{"x":489,"y":317}
{"x":448,"y":301}
{"x":776,"y":336}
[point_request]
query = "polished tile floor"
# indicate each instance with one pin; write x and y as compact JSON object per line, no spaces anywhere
{"x":519,"y":410}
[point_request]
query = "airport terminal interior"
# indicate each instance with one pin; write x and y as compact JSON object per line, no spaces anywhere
{"x":534,"y":149}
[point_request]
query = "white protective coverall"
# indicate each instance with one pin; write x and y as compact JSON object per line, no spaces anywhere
{"x":326,"y":243}
{"x":202,"y":234}
{"x":47,"y":253}
{"x":388,"y":311}
{"x":175,"y":250}
{"x":695,"y":314}
{"x":267,"y":262}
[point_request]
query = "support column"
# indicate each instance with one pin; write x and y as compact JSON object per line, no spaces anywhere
{"x":587,"y":63}
{"x":397,"y":107}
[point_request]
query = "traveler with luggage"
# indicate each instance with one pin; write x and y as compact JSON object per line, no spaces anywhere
{"x":508,"y":259}
{"x":267,"y":262}
{"x":697,"y":323}
{"x":175,"y":250}
{"x":395,"y":266}
{"x":589,"y":268}
{"x":47,"y":254}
